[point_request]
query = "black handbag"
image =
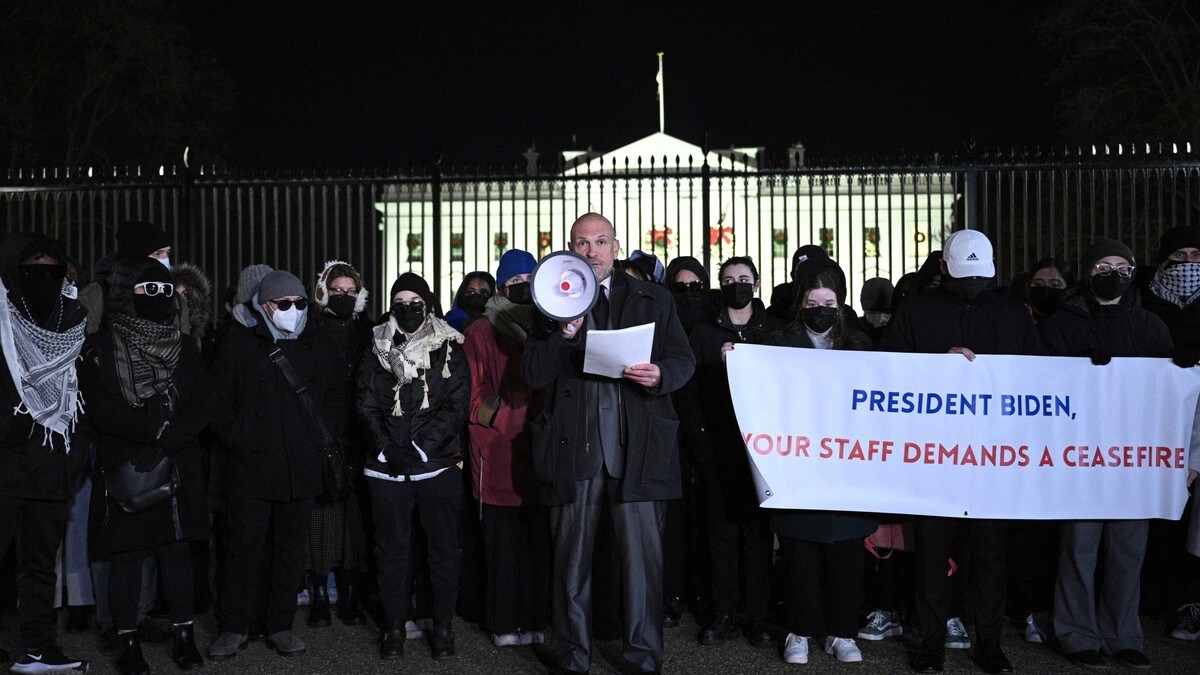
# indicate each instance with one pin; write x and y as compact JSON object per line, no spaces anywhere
{"x":337,"y":470}
{"x":136,"y":491}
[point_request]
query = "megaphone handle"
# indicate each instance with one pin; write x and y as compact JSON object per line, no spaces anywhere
{"x":570,"y":329}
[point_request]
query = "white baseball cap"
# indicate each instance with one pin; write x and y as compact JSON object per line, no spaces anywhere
{"x":968,"y":253}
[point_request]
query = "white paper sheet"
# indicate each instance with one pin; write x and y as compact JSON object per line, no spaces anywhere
{"x":610,"y":352}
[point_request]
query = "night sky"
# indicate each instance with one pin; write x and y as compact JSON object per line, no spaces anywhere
{"x":350,"y":84}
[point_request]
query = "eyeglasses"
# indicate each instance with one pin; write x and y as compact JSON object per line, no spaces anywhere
{"x":1105,"y":269}
{"x":285,"y":305}
{"x":156,"y":287}
{"x":352,"y":292}
{"x":689,"y":285}
{"x":415,"y":305}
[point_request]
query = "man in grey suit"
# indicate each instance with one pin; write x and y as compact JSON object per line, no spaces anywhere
{"x":604,"y":443}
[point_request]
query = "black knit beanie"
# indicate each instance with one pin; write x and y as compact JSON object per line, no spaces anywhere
{"x":413,"y":282}
{"x":1177,"y":238}
{"x":1102,"y":249}
{"x":136,"y":239}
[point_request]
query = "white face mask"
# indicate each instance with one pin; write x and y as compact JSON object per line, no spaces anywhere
{"x":286,"y":320}
{"x":166,"y":261}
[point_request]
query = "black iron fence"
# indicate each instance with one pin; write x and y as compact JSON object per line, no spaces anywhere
{"x":876,"y":219}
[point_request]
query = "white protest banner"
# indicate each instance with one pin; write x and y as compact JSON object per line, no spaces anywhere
{"x":1025,"y":437}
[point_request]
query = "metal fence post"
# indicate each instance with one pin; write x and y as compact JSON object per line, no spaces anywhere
{"x":435,"y":185}
{"x":706,"y":219}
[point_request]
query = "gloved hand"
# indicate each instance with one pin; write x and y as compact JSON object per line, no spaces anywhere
{"x":1185,"y":357}
{"x":146,"y":458}
{"x":1100,"y":357}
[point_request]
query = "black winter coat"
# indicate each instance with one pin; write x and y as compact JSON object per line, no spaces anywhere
{"x":935,"y":322}
{"x":554,"y":366}
{"x":1084,"y":327}
{"x":708,"y":425}
{"x":435,"y":429}
{"x":123,"y":431}
{"x":274,"y":449}
{"x":1183,"y":322}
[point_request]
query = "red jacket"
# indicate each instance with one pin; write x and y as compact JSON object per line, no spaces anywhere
{"x":501,"y":473}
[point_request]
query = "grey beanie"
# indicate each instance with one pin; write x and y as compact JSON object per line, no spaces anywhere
{"x":248,"y":282}
{"x":279,"y":284}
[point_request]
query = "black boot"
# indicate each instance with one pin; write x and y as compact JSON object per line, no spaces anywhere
{"x":442,"y":640}
{"x":392,"y":645}
{"x":131,"y":661}
{"x":348,"y":609}
{"x":318,"y":608}
{"x":183,"y":647}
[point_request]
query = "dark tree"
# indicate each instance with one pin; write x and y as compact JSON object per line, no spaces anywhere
{"x":1130,"y":69}
{"x":94,"y":83}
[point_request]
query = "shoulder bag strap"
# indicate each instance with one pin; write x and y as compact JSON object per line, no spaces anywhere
{"x":280,"y":359}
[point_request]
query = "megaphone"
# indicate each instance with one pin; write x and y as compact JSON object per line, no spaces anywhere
{"x":564,"y":286}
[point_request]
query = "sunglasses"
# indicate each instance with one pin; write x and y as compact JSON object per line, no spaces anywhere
{"x":285,"y":305}
{"x":156,"y":287}
{"x":415,"y":305}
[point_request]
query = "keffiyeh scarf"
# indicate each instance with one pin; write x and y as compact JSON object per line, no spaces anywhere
{"x":42,"y":365}
{"x":1178,"y":284}
{"x":145,"y":354}
{"x":410,"y":361}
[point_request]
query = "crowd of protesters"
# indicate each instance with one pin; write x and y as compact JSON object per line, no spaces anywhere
{"x":160,"y":461}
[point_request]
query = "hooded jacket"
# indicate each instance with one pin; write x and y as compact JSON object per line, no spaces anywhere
{"x":29,"y":469}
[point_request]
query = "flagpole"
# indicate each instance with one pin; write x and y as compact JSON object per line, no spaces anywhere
{"x":661,"y":104}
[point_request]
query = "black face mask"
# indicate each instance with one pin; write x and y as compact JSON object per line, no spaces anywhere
{"x":41,"y":286}
{"x":342,"y":306}
{"x":1110,"y":286}
{"x":967,"y":290}
{"x":521,"y":293}
{"x":409,"y":318}
{"x":472,"y":303}
{"x":689,"y":298}
{"x":1044,"y":299}
{"x":157,"y":308}
{"x":737,"y":295}
{"x":819,"y":319}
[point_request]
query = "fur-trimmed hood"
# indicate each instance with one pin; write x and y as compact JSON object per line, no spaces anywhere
{"x":342,"y":269}
{"x":199,"y":296}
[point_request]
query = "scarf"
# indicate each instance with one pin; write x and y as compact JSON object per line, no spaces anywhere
{"x":1178,"y":284}
{"x":42,"y":366}
{"x":509,"y":318}
{"x":145,"y":354}
{"x":410,"y":361}
{"x":276,"y":333}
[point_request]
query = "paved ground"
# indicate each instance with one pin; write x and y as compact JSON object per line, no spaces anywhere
{"x":341,"y":649}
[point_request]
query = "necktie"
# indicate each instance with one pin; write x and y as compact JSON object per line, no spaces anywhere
{"x":600,"y":311}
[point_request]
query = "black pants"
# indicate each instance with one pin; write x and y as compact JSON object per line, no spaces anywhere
{"x":38,"y":527}
{"x":1032,"y":566}
{"x":517,"y":544}
{"x":249,"y":522}
{"x":985,"y":584}
{"x":638,"y":537}
{"x":438,"y":501}
{"x":740,"y":542}
{"x":685,"y":547}
{"x":888,"y":582}
{"x":174,"y":578}
{"x":824,"y":588}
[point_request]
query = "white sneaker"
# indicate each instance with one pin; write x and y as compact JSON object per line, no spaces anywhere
{"x":414,"y":629}
{"x":1033,"y":632}
{"x":879,"y":626}
{"x":1188,"y":627}
{"x":956,"y":634}
{"x":506,"y":640}
{"x":795,"y":649}
{"x":843,"y":648}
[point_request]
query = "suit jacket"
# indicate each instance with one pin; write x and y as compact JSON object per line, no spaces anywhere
{"x":554,"y":366}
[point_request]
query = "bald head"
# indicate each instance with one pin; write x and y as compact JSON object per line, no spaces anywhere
{"x":594,"y":237}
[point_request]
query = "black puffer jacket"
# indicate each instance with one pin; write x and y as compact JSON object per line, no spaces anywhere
{"x":434,"y":429}
{"x":1084,"y":327}
{"x":708,"y":427}
{"x":274,"y":448}
{"x":934,"y":322}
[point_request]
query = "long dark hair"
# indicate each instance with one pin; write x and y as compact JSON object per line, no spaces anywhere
{"x":820,"y":278}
